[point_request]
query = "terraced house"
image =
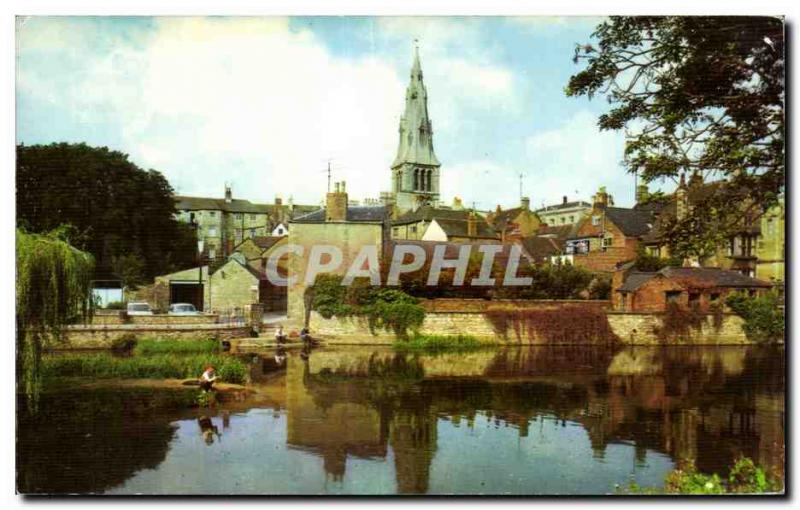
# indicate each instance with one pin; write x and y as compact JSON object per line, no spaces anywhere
{"x":223,"y":223}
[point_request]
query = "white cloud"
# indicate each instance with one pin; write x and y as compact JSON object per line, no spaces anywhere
{"x":575,"y":159}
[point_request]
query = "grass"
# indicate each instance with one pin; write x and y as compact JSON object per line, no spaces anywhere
{"x":440,"y":343}
{"x":156,"y":366}
{"x":149,"y":346}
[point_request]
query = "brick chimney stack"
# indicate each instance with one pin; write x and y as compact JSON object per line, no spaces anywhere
{"x":336,"y":203}
{"x":472,"y":224}
{"x":682,"y":200}
{"x":601,"y":198}
{"x":228,"y":194}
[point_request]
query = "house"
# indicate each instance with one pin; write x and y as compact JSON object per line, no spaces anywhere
{"x":223,"y":223}
{"x":702,"y":288}
{"x":607,"y":235}
{"x":565,"y":213}
{"x":756,"y":249}
{"x":256,"y":252}
{"x":515,"y":223}
{"x":429,"y":223}
{"x":280,"y":230}
{"x":348,"y":228}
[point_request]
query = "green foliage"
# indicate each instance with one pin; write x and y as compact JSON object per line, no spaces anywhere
{"x":651,"y":263}
{"x":383,"y":308}
{"x":678,"y":322}
{"x":569,"y":324}
{"x":116,"y":305}
{"x":551,"y":281}
{"x":440,"y":343}
{"x":744,"y":478}
{"x":124,"y":343}
{"x":205,"y":399}
{"x":53,"y":287}
{"x":600,"y":289}
{"x":681,"y":118}
{"x":147,"y":346}
{"x":121,"y":214}
{"x":763,"y":316}
{"x":158,"y":366}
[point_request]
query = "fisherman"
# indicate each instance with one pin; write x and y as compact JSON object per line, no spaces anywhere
{"x":280,"y":336}
{"x":208,"y":378}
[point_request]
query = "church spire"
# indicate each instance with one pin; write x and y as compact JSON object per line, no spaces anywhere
{"x":416,"y":132}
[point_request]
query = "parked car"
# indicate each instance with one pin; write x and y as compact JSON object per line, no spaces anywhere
{"x":183,"y":309}
{"x":139,"y":308}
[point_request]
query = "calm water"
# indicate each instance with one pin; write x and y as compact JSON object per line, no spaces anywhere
{"x":539,"y":420}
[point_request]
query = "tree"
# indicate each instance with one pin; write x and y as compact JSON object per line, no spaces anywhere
{"x":695,"y":94}
{"x":53,"y":286}
{"x":116,"y":208}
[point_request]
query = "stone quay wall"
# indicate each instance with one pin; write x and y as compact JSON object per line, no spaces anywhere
{"x":103,"y":337}
{"x":442,"y":319}
{"x":107,"y":318}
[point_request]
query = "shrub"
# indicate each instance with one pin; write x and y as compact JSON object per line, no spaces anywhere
{"x":440,"y":343}
{"x":116,"y":305}
{"x":107,"y":366}
{"x":600,"y":289}
{"x":124,"y":343}
{"x":679,"y":322}
{"x":763,"y":316}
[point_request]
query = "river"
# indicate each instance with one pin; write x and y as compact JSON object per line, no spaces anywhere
{"x":527,"y":420}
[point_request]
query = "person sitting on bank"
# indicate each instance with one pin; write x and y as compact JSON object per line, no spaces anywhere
{"x":280,"y":336}
{"x":208,"y":378}
{"x":305,"y":336}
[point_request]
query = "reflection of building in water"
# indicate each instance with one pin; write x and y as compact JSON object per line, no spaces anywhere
{"x":705,"y":405}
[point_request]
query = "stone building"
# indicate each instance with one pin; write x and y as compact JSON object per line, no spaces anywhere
{"x":515,"y":223}
{"x":565,"y":213}
{"x":700,"y":288}
{"x":348,"y":228}
{"x":415,"y":169}
{"x":226,"y":222}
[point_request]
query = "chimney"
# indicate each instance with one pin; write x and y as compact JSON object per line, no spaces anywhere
{"x":525,"y":203}
{"x":696,"y":180}
{"x":681,"y":200}
{"x":642,"y":193}
{"x":472,"y":224}
{"x":601,"y":198}
{"x":228,"y":194}
{"x":278,"y":201}
{"x":457,"y":205}
{"x":336,"y":203}
{"x":565,"y":200}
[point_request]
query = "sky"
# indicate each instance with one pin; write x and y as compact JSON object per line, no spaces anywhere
{"x":264,"y":103}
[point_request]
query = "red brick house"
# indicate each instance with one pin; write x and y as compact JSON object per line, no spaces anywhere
{"x":608,"y":235}
{"x":699,"y":287}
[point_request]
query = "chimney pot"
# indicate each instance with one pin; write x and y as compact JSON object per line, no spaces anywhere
{"x":565,"y":199}
{"x":525,"y":203}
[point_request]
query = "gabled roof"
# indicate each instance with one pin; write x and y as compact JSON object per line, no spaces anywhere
{"x":237,"y":205}
{"x":267,"y":242}
{"x":631,"y":222}
{"x":460,"y":228}
{"x":559,"y":232}
{"x":710,"y":276}
{"x":429,"y":212}
{"x":541,"y":247}
{"x":366,"y":214}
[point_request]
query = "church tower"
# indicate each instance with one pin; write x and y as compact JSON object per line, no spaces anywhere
{"x":415,"y":171}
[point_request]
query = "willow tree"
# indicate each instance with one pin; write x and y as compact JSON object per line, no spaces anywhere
{"x":53,"y":289}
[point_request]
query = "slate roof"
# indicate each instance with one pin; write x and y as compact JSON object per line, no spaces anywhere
{"x":559,"y":232}
{"x":631,"y":222}
{"x":428,"y":213}
{"x":541,"y":247}
{"x":452,"y":249}
{"x":712,"y":276}
{"x":236,"y":205}
{"x":266,"y":242}
{"x":459,"y":228}
{"x":367,"y":214}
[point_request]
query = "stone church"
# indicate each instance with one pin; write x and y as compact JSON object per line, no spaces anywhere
{"x":415,"y":170}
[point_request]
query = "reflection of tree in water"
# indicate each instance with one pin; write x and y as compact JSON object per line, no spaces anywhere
{"x":93,"y":440}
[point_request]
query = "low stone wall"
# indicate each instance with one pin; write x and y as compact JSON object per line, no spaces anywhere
{"x":482,"y":305}
{"x":642,"y":329}
{"x":112,"y":319}
{"x":102,"y":337}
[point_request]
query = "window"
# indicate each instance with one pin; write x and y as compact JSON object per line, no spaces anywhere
{"x":252,"y":232}
{"x":212,"y":231}
{"x":252,"y":217}
{"x":596,"y":219}
{"x":553,"y":221}
{"x":563,"y":220}
{"x":572,"y":219}
{"x":212,"y":253}
{"x":607,"y":242}
{"x":673,"y":296}
{"x":213,"y":214}
{"x":414,"y":229}
{"x":694,"y":299}
{"x":396,"y":231}
{"x":238,"y":216}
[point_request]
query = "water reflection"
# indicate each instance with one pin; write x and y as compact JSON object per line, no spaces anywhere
{"x":526,"y":420}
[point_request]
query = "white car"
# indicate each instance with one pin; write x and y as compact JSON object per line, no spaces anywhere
{"x":140,"y":308}
{"x":183,"y":309}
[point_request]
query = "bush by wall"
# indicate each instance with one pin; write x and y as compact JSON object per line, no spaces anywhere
{"x":764,"y":319}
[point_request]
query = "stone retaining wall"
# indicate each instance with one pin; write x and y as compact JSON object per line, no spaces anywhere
{"x":641,"y":329}
{"x":111,"y":319}
{"x":102,"y":337}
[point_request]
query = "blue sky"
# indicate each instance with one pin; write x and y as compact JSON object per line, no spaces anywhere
{"x":264,"y":103}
